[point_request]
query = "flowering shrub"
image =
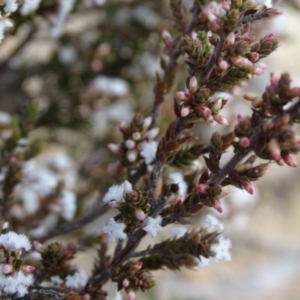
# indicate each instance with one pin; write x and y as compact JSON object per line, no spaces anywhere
{"x":159,"y":172}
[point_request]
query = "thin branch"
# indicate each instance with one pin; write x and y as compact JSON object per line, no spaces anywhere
{"x":258,"y":15}
{"x":97,"y":210}
{"x":43,"y":294}
{"x":173,"y":63}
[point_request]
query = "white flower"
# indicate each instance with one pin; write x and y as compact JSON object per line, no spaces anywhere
{"x":68,"y":204}
{"x":11,"y":6}
{"x":177,"y":178}
{"x":77,"y":280}
{"x":211,"y":223}
{"x":152,"y":225}
{"x":15,"y":283}
{"x":4,"y":22}
{"x":115,"y":230}
{"x":115,"y":193}
{"x":56,"y":280}
{"x":65,"y":7}
{"x":222,"y":249}
{"x":29,"y":6}
{"x":149,"y":151}
{"x":14,"y":241}
{"x":118,"y":296}
{"x":112,"y":86}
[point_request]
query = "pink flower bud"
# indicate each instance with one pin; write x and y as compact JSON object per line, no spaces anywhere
{"x":86,"y":297}
{"x":131,"y":155}
{"x":193,"y":85}
{"x":254,"y":56}
{"x":121,"y":124}
{"x":194,"y":35}
{"x":237,"y":61}
{"x":130,"y":144}
{"x":269,"y":36}
{"x":167,"y":38}
{"x":226,"y":4}
{"x":112,"y":203}
{"x":136,"y":136}
{"x":152,"y":133}
{"x":217,"y":205}
{"x":204,"y":110}
{"x":185,"y":110}
{"x":220,"y":119}
{"x":125,"y":283}
{"x":138,"y":265}
{"x":209,"y":119}
{"x":203,"y":188}
{"x":181,"y":96}
{"x":248,"y":186}
{"x":131,"y":295}
{"x":274,"y":79}
{"x":258,"y":71}
{"x":239,"y":117}
{"x":127,"y":186}
{"x":223,"y":64}
{"x":140,"y":215}
{"x":27,"y":269}
{"x":244,"y":142}
{"x":37,"y":245}
{"x":147,"y":122}
{"x":230,"y":39}
{"x":6,"y":269}
{"x":247,"y":62}
{"x":289,"y":160}
{"x":113,"y":148}
{"x":274,"y":149}
{"x":216,"y":106}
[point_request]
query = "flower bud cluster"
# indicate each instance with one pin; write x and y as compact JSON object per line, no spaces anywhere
{"x":14,"y":276}
{"x":138,"y":141}
{"x":196,"y":104}
{"x":133,"y":277}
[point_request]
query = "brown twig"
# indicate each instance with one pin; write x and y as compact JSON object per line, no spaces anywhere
{"x":97,"y":210}
{"x":172,"y":64}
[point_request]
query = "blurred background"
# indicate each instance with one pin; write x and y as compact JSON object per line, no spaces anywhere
{"x":99,"y":67}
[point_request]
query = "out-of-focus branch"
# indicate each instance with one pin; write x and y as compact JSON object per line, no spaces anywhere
{"x":97,"y":210}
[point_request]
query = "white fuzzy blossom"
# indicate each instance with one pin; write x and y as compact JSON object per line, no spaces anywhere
{"x":152,"y":225}
{"x":65,"y":7}
{"x":149,"y":151}
{"x":115,"y":193}
{"x":4,"y":22}
{"x":14,"y":241}
{"x":56,"y":280}
{"x":211,"y":223}
{"x":29,"y":6}
{"x":77,"y":280}
{"x":115,"y":230}
{"x":67,"y":203}
{"x":42,"y":175}
{"x":222,"y":249}
{"x":10,"y":6}
{"x":16,"y":283}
